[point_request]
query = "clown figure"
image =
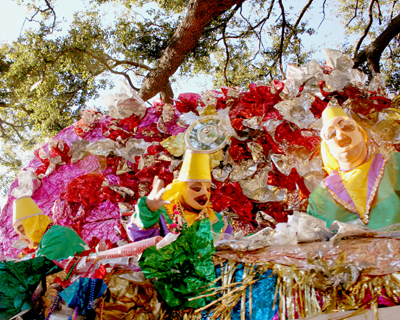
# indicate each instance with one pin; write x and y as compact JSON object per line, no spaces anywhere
{"x":180,"y":204}
{"x":360,"y":186}
{"x":183,"y":268}
{"x":38,"y":231}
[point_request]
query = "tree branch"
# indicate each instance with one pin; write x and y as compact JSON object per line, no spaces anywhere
{"x":199,"y":14}
{"x":392,"y":10}
{"x":354,"y":16}
{"x":167,"y":94}
{"x":292,"y":32}
{"x":12,"y":126}
{"x":226,"y":44}
{"x":371,"y":19}
{"x":105,"y":64}
{"x":227,"y":54}
{"x":282,"y":38}
{"x":372,"y":53}
{"x":323,"y":12}
{"x":260,"y":23}
{"x":38,"y":10}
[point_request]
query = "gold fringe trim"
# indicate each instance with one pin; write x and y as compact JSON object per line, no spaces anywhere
{"x":338,"y":199}
{"x":365,"y":219}
{"x":342,"y":286}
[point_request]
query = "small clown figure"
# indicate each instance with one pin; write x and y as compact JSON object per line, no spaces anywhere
{"x":179,"y":205}
{"x":360,"y":186}
{"x":184,"y":268}
{"x":38,"y":231}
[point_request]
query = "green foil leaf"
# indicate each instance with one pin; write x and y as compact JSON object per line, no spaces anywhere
{"x":182,"y":269}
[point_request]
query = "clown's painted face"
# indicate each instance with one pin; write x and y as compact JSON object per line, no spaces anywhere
{"x":344,"y":140}
{"x":197,"y":194}
{"x":341,"y":134}
{"x":19,"y":229}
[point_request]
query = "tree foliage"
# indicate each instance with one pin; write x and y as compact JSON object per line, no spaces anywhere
{"x":51,"y":72}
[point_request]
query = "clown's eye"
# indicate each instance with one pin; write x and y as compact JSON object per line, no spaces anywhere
{"x":331,"y":134}
{"x":21,"y":230}
{"x":347,"y":126}
{"x":197,"y":189}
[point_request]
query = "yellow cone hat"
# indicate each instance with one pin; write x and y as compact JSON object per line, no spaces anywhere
{"x":195,"y":167}
{"x":35,"y":223}
{"x":24,"y":208}
{"x":332,"y":112}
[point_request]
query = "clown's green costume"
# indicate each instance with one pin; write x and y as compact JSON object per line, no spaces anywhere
{"x":367,"y":189}
{"x":370,"y":192}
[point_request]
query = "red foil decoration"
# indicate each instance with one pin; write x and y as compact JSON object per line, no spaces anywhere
{"x":269,"y":144}
{"x":239,"y":150}
{"x":259,"y":101}
{"x":318,"y":106}
{"x":231,"y":196}
{"x":130,"y":123}
{"x":160,"y":169}
{"x":84,"y":189}
{"x":278,"y":179}
{"x":155,"y":149}
{"x":115,"y":134}
{"x":187,"y":102}
{"x":292,"y":134}
{"x":276,"y":210}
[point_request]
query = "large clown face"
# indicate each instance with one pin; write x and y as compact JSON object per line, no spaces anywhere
{"x":19,"y":229}
{"x":345,"y":141}
{"x":197,"y":194}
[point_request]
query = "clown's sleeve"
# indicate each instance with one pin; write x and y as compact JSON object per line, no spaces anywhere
{"x":54,"y":245}
{"x":223,"y":225}
{"x":145,"y":223}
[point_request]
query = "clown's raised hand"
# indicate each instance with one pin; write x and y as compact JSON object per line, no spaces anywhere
{"x":154,"y":200}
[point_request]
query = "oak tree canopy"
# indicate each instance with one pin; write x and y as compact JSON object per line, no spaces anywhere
{"x":50,"y":73}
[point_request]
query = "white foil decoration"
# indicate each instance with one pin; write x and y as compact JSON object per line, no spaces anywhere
{"x":91,"y":116}
{"x":242,"y":171}
{"x":257,"y":188}
{"x":78,"y":149}
{"x":309,"y":228}
{"x":221,"y":174}
{"x":282,"y":235}
{"x":297,"y":110}
{"x":187,"y":119}
{"x":28,"y":183}
{"x":337,"y":60}
{"x":253,"y":123}
{"x":132,"y":148}
{"x":123,"y":105}
{"x":209,"y":98}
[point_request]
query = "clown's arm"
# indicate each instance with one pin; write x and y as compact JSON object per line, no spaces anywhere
{"x":148,"y":220}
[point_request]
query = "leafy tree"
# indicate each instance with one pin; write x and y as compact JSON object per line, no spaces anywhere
{"x":50,"y":73}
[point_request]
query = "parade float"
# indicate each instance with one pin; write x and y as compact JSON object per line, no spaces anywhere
{"x":280,"y":263}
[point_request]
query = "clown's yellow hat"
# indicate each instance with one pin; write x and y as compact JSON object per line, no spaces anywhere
{"x":195,"y":168}
{"x":332,"y":112}
{"x":24,"y":208}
